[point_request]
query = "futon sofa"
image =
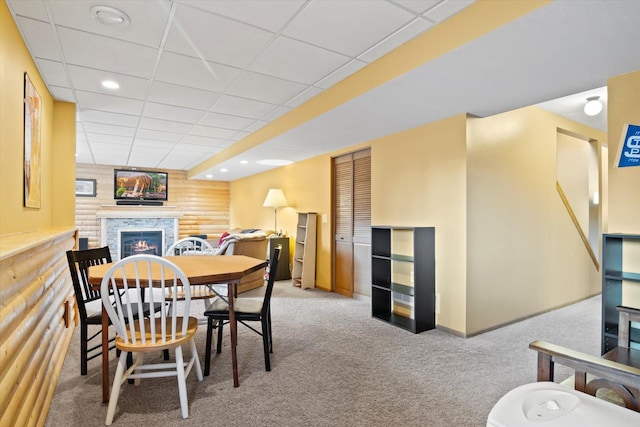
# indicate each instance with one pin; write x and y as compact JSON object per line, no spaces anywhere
{"x":249,"y":242}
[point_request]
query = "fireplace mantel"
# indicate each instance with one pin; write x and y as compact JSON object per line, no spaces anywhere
{"x":115,"y":211}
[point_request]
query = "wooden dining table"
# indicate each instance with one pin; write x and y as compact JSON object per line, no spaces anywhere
{"x":200,"y":270}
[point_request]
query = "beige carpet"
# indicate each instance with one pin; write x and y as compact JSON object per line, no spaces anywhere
{"x":333,"y":365}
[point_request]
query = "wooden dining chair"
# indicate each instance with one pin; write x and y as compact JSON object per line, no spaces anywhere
{"x":89,"y":301}
{"x":189,"y":246}
{"x":169,"y":330}
{"x":245,"y":310}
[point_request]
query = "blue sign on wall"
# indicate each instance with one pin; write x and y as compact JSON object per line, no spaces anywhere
{"x":629,"y":148}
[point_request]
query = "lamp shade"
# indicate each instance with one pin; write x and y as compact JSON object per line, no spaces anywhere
{"x":275,"y":199}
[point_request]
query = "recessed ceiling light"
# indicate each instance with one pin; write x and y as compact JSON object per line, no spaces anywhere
{"x":275,"y":162}
{"x":110,"y":84}
{"x":209,"y":175}
{"x":243,"y":162}
{"x":110,"y":16}
{"x":223,"y":170}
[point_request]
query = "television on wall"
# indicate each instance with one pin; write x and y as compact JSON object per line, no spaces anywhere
{"x":140,"y":185}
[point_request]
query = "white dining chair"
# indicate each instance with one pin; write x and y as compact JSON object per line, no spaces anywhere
{"x":169,"y":330}
{"x":189,"y":246}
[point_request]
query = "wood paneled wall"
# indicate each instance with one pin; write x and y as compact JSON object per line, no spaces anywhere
{"x":205,"y":204}
{"x":34,"y":285}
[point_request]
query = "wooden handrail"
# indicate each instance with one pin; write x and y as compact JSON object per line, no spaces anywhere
{"x":581,"y":362}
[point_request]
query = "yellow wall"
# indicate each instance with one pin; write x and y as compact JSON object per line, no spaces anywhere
{"x":624,"y":183}
{"x":307,"y":187}
{"x":418,"y":178}
{"x":57,"y":152}
{"x":525,"y":256}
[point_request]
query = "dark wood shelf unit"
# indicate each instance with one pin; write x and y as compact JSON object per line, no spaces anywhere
{"x":613,"y":276}
{"x":403,"y":276}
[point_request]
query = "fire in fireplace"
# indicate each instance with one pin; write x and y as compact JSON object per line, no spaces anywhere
{"x":135,"y":242}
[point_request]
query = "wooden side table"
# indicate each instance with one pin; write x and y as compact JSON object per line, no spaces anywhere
{"x":283,"y":272}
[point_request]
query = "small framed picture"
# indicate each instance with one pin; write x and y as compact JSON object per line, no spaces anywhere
{"x":85,"y":187}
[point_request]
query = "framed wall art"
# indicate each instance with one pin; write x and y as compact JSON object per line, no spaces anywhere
{"x":32,"y":149}
{"x":85,"y":187}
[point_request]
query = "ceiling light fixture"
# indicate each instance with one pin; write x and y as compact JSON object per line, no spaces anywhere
{"x":223,"y":170}
{"x":243,"y":162}
{"x":593,"y":106}
{"x":209,"y":176}
{"x":110,"y":84}
{"x":110,"y":16}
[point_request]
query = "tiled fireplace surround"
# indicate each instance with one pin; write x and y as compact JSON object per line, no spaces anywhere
{"x":114,"y":219}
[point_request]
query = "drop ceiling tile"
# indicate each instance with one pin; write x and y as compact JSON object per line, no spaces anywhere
{"x":255,"y":126}
{"x":446,"y":9}
{"x":296,"y":61}
{"x":84,"y":157}
{"x":94,"y":51}
{"x":157,"y":135}
{"x":96,"y":138}
{"x":341,"y":73}
{"x":196,"y":73}
{"x":153,"y":143}
{"x":109,"y":118}
{"x":265,"y":88}
{"x":418,"y":6}
{"x":303,"y":97}
{"x":215,"y":38}
{"x":90,"y":80}
{"x":165,"y":93}
{"x":208,"y":131}
{"x":32,"y":9}
{"x":225,"y":121}
{"x":164,"y":125}
{"x":39,"y":39}
{"x":348,"y":27}
{"x":169,"y":112}
{"x":194,"y":148}
{"x":240,"y":135}
{"x":242,"y":107}
{"x":52,"y":72}
{"x":277,"y":113}
{"x":270,"y":15}
{"x":148,"y":19}
{"x":114,"y":104}
{"x":106,"y":155}
{"x":202,"y":140}
{"x":109,"y":129}
{"x":147,"y":156}
{"x":62,"y":94}
{"x":406,"y":33}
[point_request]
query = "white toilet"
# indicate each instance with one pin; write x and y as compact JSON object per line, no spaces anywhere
{"x":549,"y":404}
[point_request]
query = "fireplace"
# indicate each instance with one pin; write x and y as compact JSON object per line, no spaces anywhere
{"x":114,"y":220}
{"x":137,"y":242}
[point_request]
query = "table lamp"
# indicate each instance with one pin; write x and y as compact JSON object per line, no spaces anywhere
{"x":275,"y":199}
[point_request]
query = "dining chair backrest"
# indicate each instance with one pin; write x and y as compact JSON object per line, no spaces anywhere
{"x":79,"y":263}
{"x":138,"y":276}
{"x":191,"y":246}
{"x":271,"y":271}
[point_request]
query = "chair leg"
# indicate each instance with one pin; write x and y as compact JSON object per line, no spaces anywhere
{"x":182,"y":383}
{"x":83,"y":348}
{"x":265,"y":343}
{"x":115,"y":390}
{"x":207,"y":354}
{"x":194,"y":353}
{"x":270,"y":334}
{"x":219,"y":346}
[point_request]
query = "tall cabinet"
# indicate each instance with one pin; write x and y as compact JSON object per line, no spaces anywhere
{"x":304,"y":255}
{"x":620,"y":285}
{"x":403,"y":276}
